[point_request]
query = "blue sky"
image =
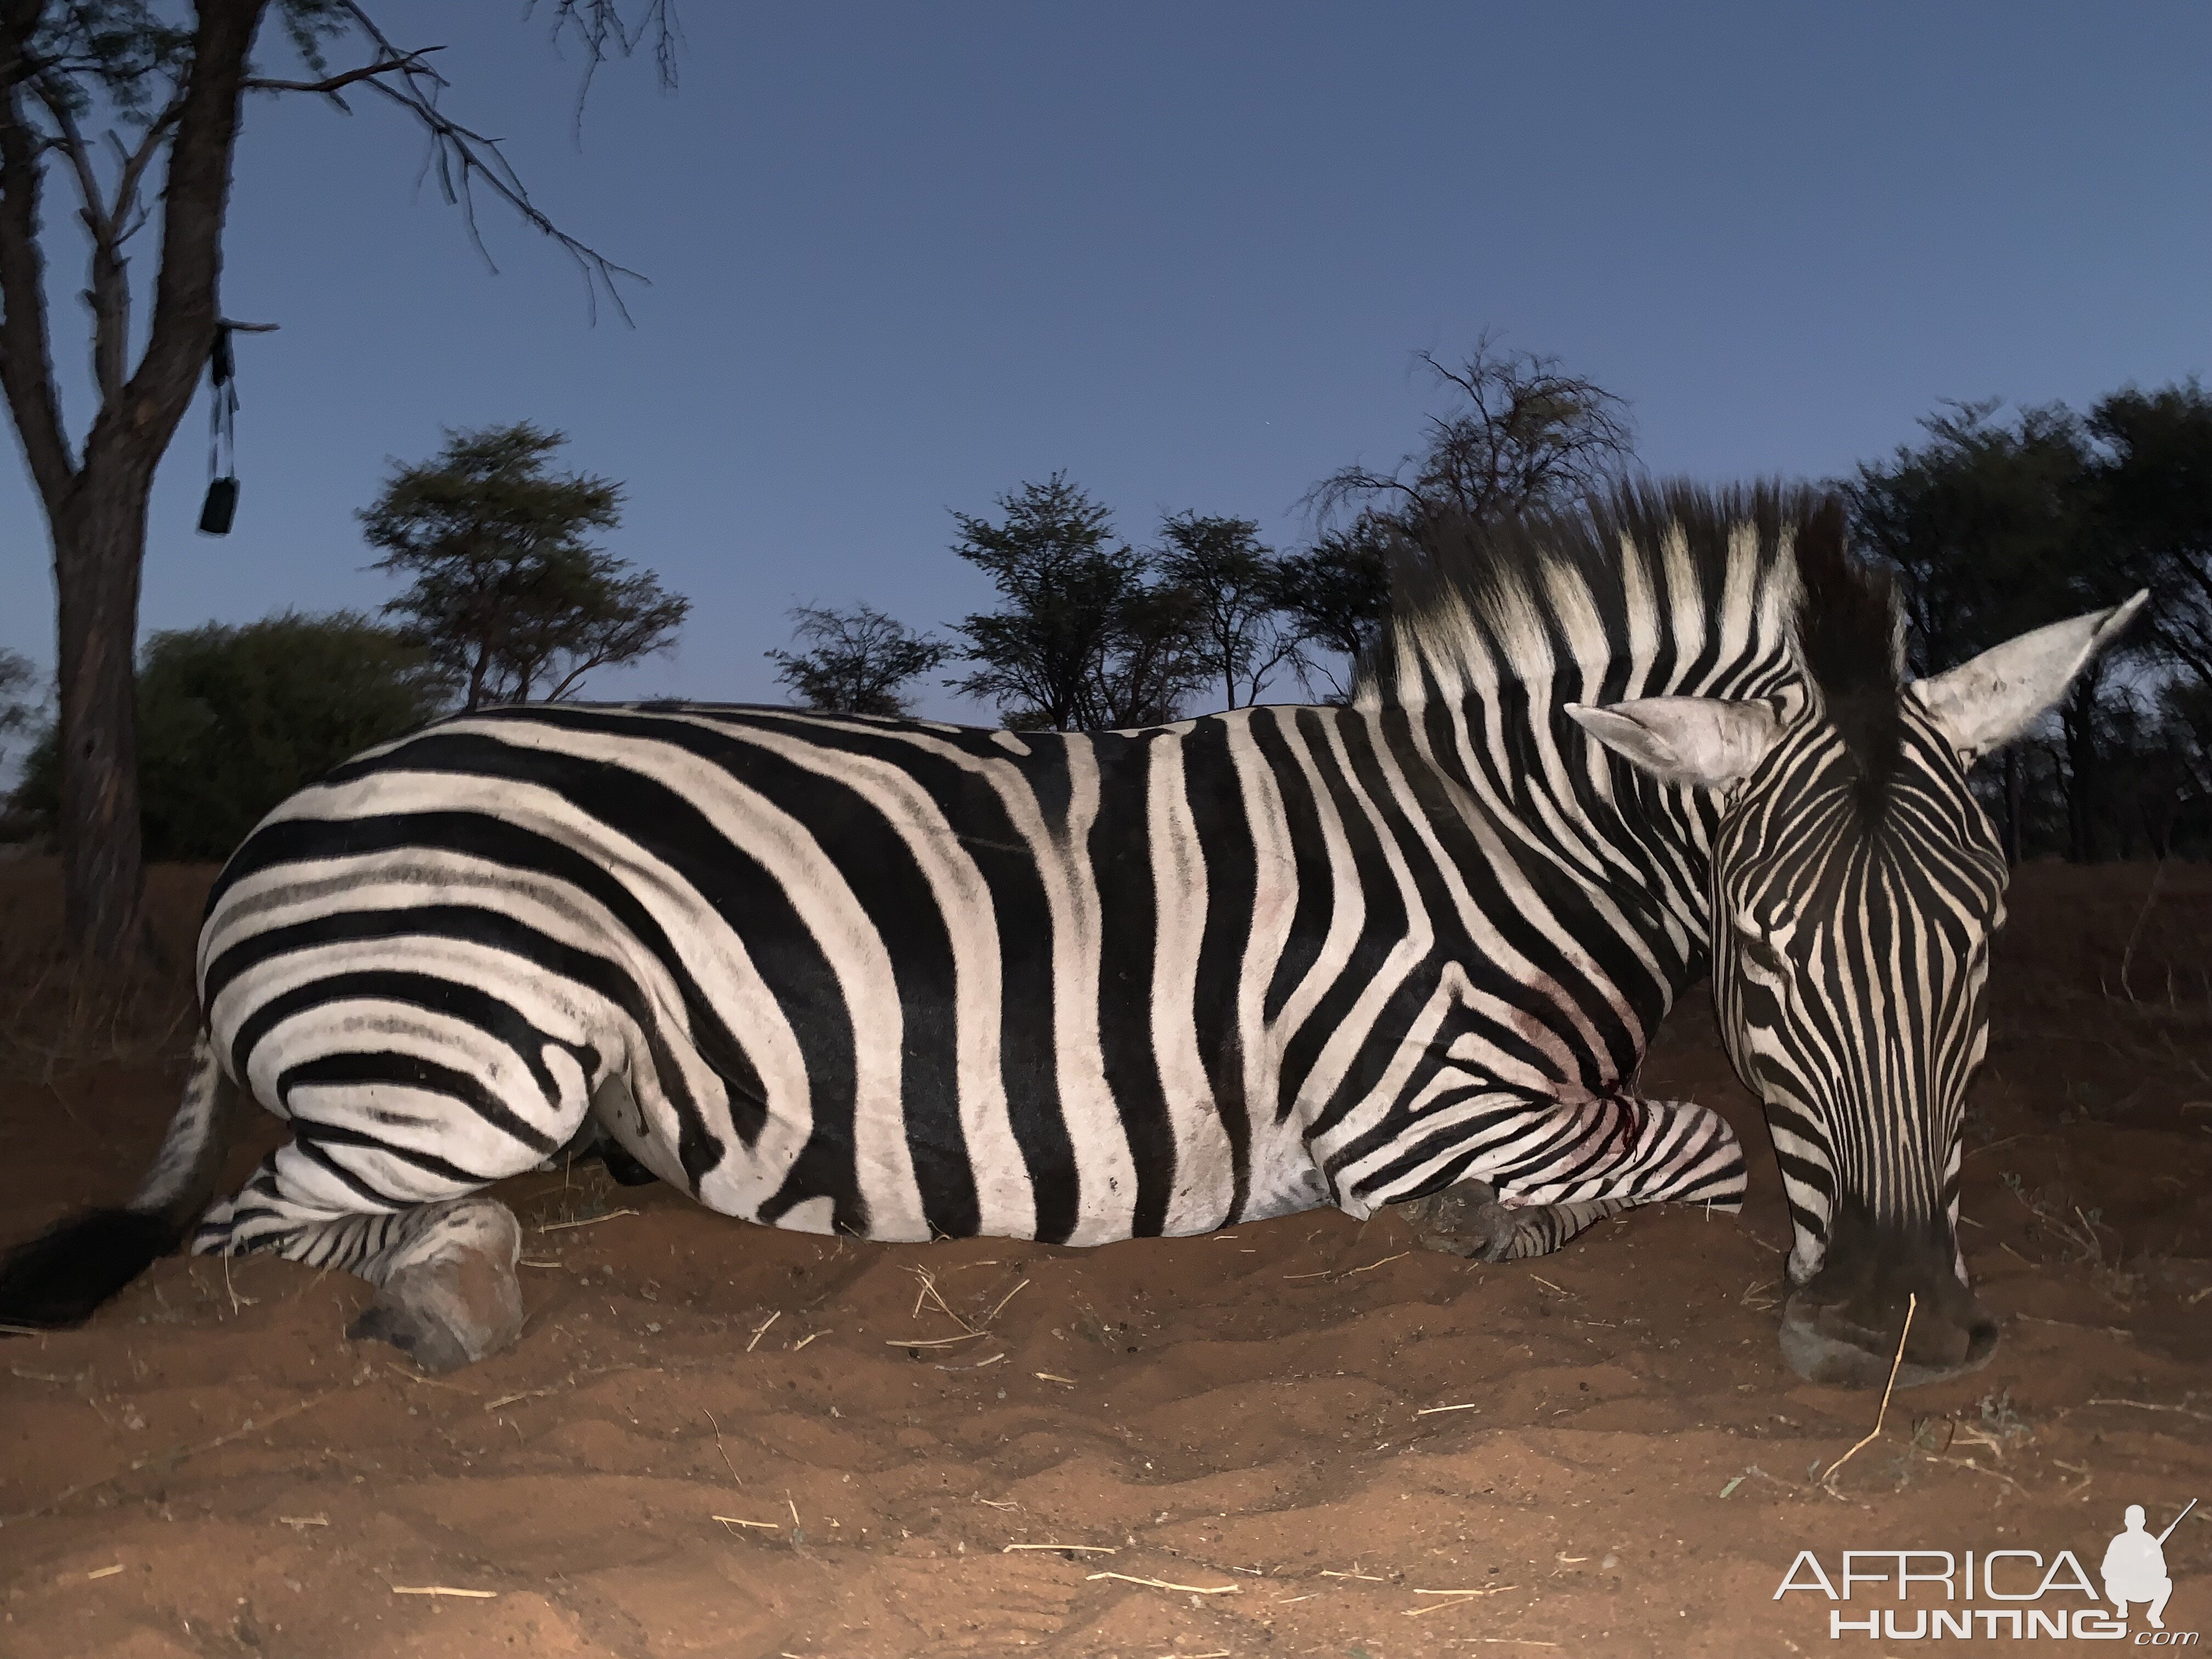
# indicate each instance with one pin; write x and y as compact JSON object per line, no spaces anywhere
{"x":903,"y":258}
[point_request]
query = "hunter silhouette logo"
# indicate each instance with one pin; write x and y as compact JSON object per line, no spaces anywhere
{"x":2008,"y":1594}
{"x":2135,"y":1566}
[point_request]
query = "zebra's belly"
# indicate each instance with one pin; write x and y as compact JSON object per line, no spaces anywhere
{"x":1166,"y":1187}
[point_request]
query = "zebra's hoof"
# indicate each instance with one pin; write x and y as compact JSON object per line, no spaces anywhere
{"x":446,"y":1313}
{"x":1466,"y":1219}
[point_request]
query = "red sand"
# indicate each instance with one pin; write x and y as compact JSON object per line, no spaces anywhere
{"x":212,"y":1469}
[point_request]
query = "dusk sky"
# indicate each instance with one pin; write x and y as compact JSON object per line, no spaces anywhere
{"x":903,"y":258}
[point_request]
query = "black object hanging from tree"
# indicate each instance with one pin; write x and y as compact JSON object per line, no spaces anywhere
{"x":221,"y":503}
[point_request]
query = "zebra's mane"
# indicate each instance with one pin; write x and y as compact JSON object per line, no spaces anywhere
{"x":1649,"y":591}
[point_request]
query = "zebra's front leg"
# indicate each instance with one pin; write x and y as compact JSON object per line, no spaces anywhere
{"x":444,"y":1273}
{"x":1501,"y":1175}
{"x":1467,"y":1219}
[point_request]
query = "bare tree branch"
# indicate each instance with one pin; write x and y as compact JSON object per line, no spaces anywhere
{"x":599,"y":25}
{"x":71,"y":142}
{"x":109,"y":296}
{"x":329,"y":85}
{"x":26,"y":364}
{"x":1353,"y":483}
{"x":463,"y":159}
{"x":195,"y":202}
{"x":134,"y":166}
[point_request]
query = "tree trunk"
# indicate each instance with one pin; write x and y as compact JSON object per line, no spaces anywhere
{"x":99,"y":545}
{"x":2077,"y":723}
{"x":96,"y":507}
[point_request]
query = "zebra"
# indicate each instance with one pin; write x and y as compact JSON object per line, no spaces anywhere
{"x":896,"y":979}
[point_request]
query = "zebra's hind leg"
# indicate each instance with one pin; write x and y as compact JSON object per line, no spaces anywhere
{"x":1467,"y":1219}
{"x":444,"y":1272}
{"x":449,"y":1297}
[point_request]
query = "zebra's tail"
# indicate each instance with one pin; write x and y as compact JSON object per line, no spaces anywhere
{"x":58,"y":1279}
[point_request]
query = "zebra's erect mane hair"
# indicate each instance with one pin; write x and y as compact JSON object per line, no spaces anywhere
{"x":1850,"y":642}
{"x":1650,"y":590}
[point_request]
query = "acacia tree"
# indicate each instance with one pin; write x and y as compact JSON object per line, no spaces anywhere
{"x":1085,"y":640}
{"x":1524,"y":433}
{"x":858,"y":661}
{"x":138,"y":106}
{"x":1520,"y":433}
{"x":507,"y":593}
{"x":1334,"y":595}
{"x":1235,"y":587}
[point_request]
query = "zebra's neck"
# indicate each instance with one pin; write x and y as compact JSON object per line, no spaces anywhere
{"x":1660,"y":597}
{"x":1563,"y":836}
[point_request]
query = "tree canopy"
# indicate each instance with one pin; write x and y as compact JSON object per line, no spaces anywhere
{"x":2151,"y":483}
{"x":1084,"y":638}
{"x":1234,"y":587}
{"x":1334,"y":595}
{"x":1984,"y":523}
{"x":1520,"y":433}
{"x":1997,"y":524}
{"x":1517,"y":433}
{"x":859,"y":661}
{"x":506,"y":593}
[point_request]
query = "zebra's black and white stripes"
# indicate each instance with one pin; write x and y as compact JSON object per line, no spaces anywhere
{"x":898,"y":980}
{"x":903,"y":982}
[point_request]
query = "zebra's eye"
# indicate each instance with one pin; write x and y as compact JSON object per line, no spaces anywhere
{"x":1760,"y":956}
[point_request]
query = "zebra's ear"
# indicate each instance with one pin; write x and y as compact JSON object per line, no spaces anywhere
{"x":1712,"y":742}
{"x":1986,"y":703}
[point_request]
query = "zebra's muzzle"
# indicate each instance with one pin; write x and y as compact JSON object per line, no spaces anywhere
{"x":1841,"y":1326}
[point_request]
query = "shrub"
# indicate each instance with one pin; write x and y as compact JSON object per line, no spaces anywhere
{"x":231,"y":720}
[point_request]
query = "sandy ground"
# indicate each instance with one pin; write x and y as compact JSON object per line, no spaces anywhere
{"x":1286,"y":1439}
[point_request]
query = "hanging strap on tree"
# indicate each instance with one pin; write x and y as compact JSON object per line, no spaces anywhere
{"x":221,"y":503}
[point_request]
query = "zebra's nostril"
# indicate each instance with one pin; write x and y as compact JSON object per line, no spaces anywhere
{"x":1981,"y":1340}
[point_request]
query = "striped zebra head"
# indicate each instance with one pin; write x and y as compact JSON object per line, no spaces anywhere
{"x":1855,"y":885}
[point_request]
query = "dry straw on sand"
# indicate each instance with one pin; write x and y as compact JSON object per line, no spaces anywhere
{"x":1911,"y":1307}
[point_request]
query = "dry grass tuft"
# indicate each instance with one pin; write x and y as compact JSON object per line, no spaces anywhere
{"x":2109,"y":980}
{"x":56,"y":1017}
